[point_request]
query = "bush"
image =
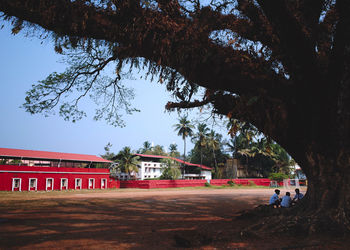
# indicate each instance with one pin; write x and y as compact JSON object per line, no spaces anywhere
{"x":170,"y":173}
{"x":278,"y":176}
{"x":207,"y":184}
{"x":231,"y":183}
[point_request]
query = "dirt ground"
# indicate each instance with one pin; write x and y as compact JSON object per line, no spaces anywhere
{"x":204,"y":218}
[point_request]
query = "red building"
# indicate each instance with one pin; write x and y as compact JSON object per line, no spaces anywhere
{"x":30,"y":170}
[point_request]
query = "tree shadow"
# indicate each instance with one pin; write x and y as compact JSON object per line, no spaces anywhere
{"x":158,"y":222}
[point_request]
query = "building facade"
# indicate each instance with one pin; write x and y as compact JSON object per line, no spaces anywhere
{"x":29,"y":170}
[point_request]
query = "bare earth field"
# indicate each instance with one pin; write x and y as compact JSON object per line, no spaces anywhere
{"x":195,"y":218}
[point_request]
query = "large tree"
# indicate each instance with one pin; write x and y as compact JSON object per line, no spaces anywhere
{"x":173,"y":150}
{"x":127,"y":162}
{"x":200,"y":138}
{"x":146,"y":147}
{"x":184,"y":129}
{"x":280,"y":65}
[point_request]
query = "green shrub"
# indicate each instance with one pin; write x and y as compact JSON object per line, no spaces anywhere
{"x":278,"y":176}
{"x":207,"y":184}
{"x":231,"y":183}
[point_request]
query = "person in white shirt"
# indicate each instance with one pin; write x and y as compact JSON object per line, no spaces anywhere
{"x":286,"y":200}
{"x":275,"y":200}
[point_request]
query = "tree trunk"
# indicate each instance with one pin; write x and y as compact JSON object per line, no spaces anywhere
{"x":184,"y":172}
{"x":327,"y":202}
{"x":184,"y":149}
{"x":216,"y":165}
{"x":325,"y":208}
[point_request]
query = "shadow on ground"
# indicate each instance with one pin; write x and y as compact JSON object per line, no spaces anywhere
{"x":161,"y":222}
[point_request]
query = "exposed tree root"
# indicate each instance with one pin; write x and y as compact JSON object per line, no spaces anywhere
{"x":294,"y":222}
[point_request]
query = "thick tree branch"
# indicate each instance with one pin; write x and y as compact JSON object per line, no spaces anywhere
{"x":186,"y":105}
{"x":300,"y":58}
{"x":341,"y":40}
{"x":311,"y":11}
{"x":65,"y":17}
{"x":157,"y":37}
{"x":326,"y":35}
{"x":260,"y":27}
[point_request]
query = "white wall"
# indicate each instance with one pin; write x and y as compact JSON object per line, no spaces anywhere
{"x":150,"y":169}
{"x":206,"y":173}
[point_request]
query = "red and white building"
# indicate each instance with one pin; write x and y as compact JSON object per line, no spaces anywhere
{"x":31,"y":170}
{"x":151,"y":166}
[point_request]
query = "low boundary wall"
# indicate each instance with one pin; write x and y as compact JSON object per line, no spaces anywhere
{"x":246,"y":182}
{"x":162,"y":183}
{"x":113,"y":184}
{"x":147,"y":184}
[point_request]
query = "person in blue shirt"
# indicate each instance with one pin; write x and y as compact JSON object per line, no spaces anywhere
{"x":298,"y":196}
{"x":275,"y":200}
{"x":286,"y":200}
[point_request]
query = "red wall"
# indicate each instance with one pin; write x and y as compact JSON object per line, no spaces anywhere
{"x":162,"y":183}
{"x":113,"y":184}
{"x":190,"y":183}
{"x":8,"y":172}
{"x":246,"y":182}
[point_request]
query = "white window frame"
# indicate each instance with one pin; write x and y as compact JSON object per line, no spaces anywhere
{"x":20,"y":184}
{"x":103,"y":180}
{"x":53,"y":182}
{"x":61,"y":187}
{"x":78,"y":186}
{"x":36,"y":184}
{"x":93,"y":183}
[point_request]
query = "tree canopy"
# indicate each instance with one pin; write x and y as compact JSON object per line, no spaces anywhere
{"x":260,"y":61}
{"x":127,"y":161}
{"x":281,"y":65}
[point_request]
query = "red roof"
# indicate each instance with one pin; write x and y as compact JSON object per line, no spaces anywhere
{"x":34,"y":154}
{"x":178,"y":160}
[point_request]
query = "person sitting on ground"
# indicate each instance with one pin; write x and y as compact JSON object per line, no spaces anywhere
{"x":275,"y":200}
{"x":298,"y":196}
{"x":286,"y":200}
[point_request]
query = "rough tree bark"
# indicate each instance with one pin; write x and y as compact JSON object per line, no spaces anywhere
{"x":294,"y":86}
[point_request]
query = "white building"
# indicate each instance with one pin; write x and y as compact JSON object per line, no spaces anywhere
{"x":150,"y":170}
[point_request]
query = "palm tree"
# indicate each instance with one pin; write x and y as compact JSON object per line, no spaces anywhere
{"x":158,"y":150}
{"x":214,"y":144}
{"x":146,"y":147}
{"x":173,"y":150}
{"x":283,"y":161}
{"x":184,"y":129}
{"x":232,"y":145}
{"x":108,"y":154}
{"x":171,"y":171}
{"x":127,"y":161}
{"x":201,"y":138}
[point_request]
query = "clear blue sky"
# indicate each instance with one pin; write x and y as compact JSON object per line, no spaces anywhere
{"x":24,"y":61}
